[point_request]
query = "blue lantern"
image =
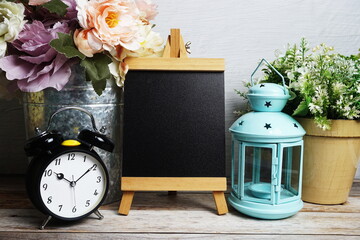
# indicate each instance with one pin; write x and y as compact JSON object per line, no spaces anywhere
{"x":267,"y":155}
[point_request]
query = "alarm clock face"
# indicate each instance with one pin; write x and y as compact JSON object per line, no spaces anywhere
{"x":73,"y":185}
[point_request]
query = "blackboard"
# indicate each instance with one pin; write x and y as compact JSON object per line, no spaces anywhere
{"x":174,"y":124}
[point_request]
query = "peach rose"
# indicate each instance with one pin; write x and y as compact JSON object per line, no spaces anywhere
{"x":148,"y":10}
{"x":114,"y":22}
{"x":87,"y":43}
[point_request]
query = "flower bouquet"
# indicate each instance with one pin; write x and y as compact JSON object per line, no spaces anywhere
{"x":40,"y":40}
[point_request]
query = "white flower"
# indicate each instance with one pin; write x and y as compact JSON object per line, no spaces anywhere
{"x":118,"y":70}
{"x":152,"y":46}
{"x":291,"y":76}
{"x":12,"y":22}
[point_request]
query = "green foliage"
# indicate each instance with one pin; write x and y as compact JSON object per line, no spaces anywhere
{"x":97,"y":71}
{"x":65,"y":45}
{"x":56,"y":6}
{"x":323,"y":84}
{"x":302,"y":110}
{"x":326,"y":84}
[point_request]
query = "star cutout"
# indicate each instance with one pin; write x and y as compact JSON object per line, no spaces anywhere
{"x":267,"y":125}
{"x":262,"y":85}
{"x":241,"y":123}
{"x":267,"y":104}
{"x":295,"y":125}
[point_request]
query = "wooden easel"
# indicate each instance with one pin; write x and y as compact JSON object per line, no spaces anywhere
{"x":174,"y":58}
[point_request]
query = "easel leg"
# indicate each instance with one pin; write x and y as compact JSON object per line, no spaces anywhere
{"x":126,"y":202}
{"x":220,"y":202}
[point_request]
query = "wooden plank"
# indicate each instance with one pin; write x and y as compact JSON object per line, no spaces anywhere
{"x":183,"y":52}
{"x":177,"y":64}
{"x":173,"y":184}
{"x":355,"y":189}
{"x":166,"y":52}
{"x":180,"y":222}
{"x":175,"y":43}
{"x":137,"y":236}
{"x":126,"y":201}
{"x":220,"y":203}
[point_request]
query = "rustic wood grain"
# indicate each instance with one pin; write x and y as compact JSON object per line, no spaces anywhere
{"x":177,"y":64}
{"x":179,"y":222}
{"x":173,"y":183}
{"x":150,"y":236}
{"x":186,"y":215}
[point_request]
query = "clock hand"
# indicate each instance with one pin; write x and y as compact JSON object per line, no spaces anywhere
{"x":60,"y":176}
{"x":73,"y":187}
{"x":85,"y":172}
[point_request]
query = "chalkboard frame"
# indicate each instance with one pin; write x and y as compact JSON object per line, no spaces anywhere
{"x":174,"y":59}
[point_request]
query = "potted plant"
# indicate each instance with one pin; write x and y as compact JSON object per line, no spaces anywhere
{"x":326,"y":101}
{"x":60,"y":53}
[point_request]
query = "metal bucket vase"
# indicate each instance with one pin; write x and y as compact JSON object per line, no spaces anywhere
{"x":107,"y":110}
{"x":330,"y":160}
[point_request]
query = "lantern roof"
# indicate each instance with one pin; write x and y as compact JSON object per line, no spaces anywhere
{"x":267,"y":127}
{"x":268,"y":97}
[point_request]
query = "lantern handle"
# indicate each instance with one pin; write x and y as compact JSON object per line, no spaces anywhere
{"x":274,"y":69}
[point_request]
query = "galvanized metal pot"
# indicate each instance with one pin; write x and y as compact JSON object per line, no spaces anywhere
{"x":107,"y":110}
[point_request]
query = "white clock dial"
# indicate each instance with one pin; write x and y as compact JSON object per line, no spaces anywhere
{"x":73,"y":184}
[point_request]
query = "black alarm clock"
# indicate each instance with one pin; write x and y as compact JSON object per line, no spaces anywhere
{"x":66,"y":179}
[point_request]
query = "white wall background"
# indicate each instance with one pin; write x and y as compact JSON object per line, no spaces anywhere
{"x":243,"y":32}
{"x":240,"y":31}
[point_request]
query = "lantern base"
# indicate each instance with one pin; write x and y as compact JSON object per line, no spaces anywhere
{"x":266,"y":211}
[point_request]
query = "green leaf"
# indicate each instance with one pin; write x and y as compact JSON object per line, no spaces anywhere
{"x":65,"y":45}
{"x":292,"y":95}
{"x":56,"y":6}
{"x":302,"y":110}
{"x":97,"y":71}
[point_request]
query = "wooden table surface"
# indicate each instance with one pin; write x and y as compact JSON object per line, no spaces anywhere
{"x":182,"y":216}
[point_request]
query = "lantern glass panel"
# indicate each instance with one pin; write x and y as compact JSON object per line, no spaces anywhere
{"x":290,"y":171}
{"x":235,"y":168}
{"x":258,"y":165}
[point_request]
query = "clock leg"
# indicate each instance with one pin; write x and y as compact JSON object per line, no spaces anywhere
{"x":97,"y":213}
{"x":47,"y":219}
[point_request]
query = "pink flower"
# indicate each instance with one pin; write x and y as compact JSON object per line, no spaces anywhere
{"x":37,"y":2}
{"x":114,"y":22}
{"x":87,"y":43}
{"x":36,"y":65}
{"x":147,"y":9}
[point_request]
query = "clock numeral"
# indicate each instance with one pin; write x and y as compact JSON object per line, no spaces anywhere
{"x":71,"y":156}
{"x":84,"y":158}
{"x":48,"y":173}
{"x":57,"y":161}
{"x":98,"y":179}
{"x":74,"y":209}
{"x":49,"y":200}
{"x":94,"y":168}
{"x":87,"y":203}
{"x":96,"y":193}
{"x":45,"y":186}
{"x":60,"y":207}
